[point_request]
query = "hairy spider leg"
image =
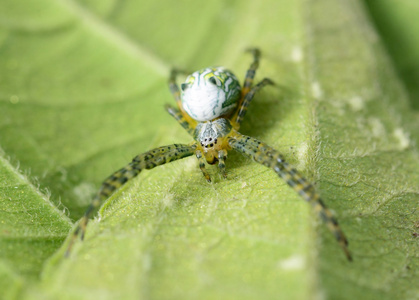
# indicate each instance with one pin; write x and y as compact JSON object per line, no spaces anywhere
{"x":247,"y":91}
{"x":201,"y":162}
{"x":269,"y":157}
{"x":174,"y":89}
{"x":180,"y":117}
{"x":241,"y":112}
{"x":222,"y":155}
{"x":250,"y":74}
{"x":248,"y":81}
{"x":148,"y":160}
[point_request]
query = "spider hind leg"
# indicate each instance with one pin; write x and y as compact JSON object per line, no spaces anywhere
{"x":174,"y":90}
{"x":248,"y":91}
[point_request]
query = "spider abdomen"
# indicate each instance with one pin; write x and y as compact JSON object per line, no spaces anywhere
{"x":210,"y":93}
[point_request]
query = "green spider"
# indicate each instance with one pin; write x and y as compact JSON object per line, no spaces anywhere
{"x":210,"y":107}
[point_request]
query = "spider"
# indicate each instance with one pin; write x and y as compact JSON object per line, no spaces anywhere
{"x":211,"y":105}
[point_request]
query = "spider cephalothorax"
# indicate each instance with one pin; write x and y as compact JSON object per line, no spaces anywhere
{"x":211,"y":136}
{"x":211,"y":108}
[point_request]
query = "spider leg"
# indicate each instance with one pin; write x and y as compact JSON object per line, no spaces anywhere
{"x":241,"y":112}
{"x":201,"y":161}
{"x":248,"y":81}
{"x":222,"y":155}
{"x":174,"y":89}
{"x":147,"y":160}
{"x":269,"y":157}
{"x":180,"y":118}
{"x":247,"y":91}
{"x":250,"y":74}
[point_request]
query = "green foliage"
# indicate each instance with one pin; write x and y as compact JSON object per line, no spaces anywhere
{"x":399,"y":29}
{"x":83,"y":85}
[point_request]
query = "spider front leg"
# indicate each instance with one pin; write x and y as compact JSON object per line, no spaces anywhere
{"x":147,"y":160}
{"x":269,"y":157}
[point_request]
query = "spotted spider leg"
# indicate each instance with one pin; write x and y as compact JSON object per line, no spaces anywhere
{"x":174,"y":90}
{"x":269,"y":157}
{"x":180,"y":118}
{"x":182,"y":121}
{"x":222,"y":155}
{"x":201,"y":161}
{"x":148,"y":160}
{"x":250,"y":74}
{"x":241,"y":112}
{"x":248,"y":91}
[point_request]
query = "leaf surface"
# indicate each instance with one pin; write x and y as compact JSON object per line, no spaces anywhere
{"x":367,"y":159}
{"x":31,"y":230}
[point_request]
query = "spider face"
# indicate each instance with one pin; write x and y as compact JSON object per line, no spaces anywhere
{"x":211,"y":136}
{"x":210,"y":93}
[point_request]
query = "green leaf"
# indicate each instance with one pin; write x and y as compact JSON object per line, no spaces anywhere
{"x":83,"y":89}
{"x":367,"y":162}
{"x":399,"y":29}
{"x":31,"y":230}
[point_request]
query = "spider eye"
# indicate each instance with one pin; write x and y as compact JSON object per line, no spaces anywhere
{"x":212,"y":80}
{"x":184,"y":86}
